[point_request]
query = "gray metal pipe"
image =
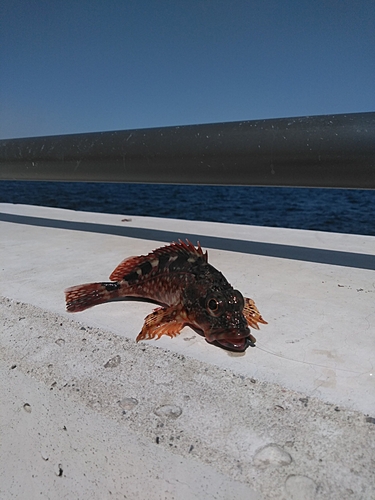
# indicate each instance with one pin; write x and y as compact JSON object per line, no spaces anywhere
{"x":318,"y":151}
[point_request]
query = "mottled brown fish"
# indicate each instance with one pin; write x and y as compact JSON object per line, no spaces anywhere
{"x":190,"y":291}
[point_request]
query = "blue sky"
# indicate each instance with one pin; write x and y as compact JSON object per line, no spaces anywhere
{"x":83,"y":66}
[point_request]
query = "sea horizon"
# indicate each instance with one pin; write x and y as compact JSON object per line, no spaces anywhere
{"x":335,"y":210}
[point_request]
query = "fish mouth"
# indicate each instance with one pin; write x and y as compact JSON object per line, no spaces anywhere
{"x":234,"y":341}
{"x":237,"y":344}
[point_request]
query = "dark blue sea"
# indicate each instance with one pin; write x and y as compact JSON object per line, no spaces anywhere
{"x":336,"y":210}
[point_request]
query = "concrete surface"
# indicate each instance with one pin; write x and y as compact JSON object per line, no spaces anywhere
{"x":87,"y":413}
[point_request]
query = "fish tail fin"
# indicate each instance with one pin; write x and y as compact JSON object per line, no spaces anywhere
{"x":81,"y":297}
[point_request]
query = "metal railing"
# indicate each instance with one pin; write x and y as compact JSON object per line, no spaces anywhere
{"x":318,"y":151}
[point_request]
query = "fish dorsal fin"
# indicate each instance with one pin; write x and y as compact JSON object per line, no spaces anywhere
{"x":159,"y":260}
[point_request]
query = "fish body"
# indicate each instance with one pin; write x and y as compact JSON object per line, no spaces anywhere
{"x":189,"y":290}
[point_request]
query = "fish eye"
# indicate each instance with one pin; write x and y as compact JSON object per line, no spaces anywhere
{"x":214,"y":306}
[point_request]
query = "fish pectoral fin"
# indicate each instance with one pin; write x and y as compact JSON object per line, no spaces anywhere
{"x":252,"y":315}
{"x":163,"y":321}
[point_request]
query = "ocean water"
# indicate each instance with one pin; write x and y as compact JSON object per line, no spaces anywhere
{"x":335,"y":210}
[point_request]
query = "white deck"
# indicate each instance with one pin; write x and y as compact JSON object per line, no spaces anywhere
{"x":315,"y":289}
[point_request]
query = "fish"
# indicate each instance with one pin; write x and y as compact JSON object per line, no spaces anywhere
{"x":188,"y":290}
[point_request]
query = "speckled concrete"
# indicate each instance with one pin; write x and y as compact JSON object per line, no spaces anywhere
{"x":85,"y":411}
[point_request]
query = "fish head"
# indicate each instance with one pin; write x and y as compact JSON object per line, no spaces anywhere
{"x":219,"y":317}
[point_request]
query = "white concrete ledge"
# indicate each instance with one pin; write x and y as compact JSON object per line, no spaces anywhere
{"x":87,"y":413}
